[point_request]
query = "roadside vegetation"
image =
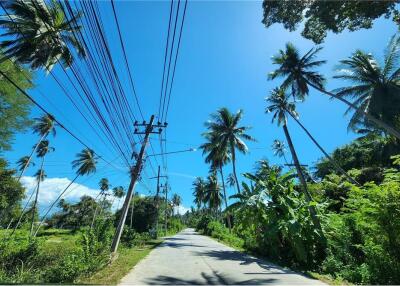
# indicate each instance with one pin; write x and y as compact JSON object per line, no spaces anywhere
{"x":338,"y":218}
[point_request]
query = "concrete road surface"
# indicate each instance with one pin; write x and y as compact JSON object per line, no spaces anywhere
{"x":192,"y":259}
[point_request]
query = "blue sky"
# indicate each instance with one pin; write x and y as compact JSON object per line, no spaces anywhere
{"x":224,"y":59}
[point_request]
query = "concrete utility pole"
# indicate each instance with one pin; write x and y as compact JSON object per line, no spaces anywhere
{"x":157,"y":198}
{"x":166,"y":207}
{"x":135,"y":174}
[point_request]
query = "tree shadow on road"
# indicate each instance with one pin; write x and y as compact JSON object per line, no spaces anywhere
{"x":245,"y":259}
{"x":178,"y":245}
{"x":207,"y":279}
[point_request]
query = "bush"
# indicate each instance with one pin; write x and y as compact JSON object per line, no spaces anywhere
{"x":219,"y":231}
{"x":131,"y":238}
{"x":203,"y":223}
{"x":67,"y":270}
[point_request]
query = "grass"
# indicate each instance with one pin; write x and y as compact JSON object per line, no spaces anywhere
{"x":126,"y":260}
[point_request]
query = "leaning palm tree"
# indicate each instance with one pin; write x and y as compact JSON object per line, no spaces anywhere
{"x":85,"y":164}
{"x":218,"y":156}
{"x":42,"y":150}
{"x":298,"y":73}
{"x":24,"y":162}
{"x":39,"y":34}
{"x":279,"y":149}
{"x":280,"y":106}
{"x":331,"y":160}
{"x":43,"y":126}
{"x":375,"y":86}
{"x":199,"y":190}
{"x":224,"y":128}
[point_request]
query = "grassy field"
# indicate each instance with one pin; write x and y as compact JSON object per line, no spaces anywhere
{"x":54,"y":245}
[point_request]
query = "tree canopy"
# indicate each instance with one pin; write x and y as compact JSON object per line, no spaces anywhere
{"x":321,"y":17}
{"x":14,"y":107}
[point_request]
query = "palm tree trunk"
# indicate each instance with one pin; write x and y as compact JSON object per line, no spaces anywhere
{"x":22,"y":214}
{"x":308,"y":197}
{"x":53,"y":204}
{"x":234,"y":168}
{"x":95,"y":211}
{"x":31,"y":155}
{"x":36,"y":196}
{"x":376,"y":121}
{"x":333,"y":162}
{"x":228,"y":218}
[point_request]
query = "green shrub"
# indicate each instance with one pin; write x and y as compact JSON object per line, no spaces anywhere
{"x":131,"y":238}
{"x":219,"y":231}
{"x":67,"y":270}
{"x":203,"y":223}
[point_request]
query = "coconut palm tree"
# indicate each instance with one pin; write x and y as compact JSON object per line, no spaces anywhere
{"x":279,"y":149}
{"x":225,"y":130}
{"x":176,"y":202}
{"x":24,"y":163}
{"x":42,"y":150}
{"x":298,"y":73}
{"x":230,"y":180}
{"x":119,"y":193}
{"x":217,"y":156}
{"x":104,"y":186}
{"x":199,"y":190}
{"x":375,"y":86}
{"x":39,"y":34}
{"x":85,"y":164}
{"x":213,"y":195}
{"x":43,"y":126}
{"x":280,"y":106}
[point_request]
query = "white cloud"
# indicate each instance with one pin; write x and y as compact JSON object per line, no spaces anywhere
{"x":181,"y":210}
{"x":50,"y":188}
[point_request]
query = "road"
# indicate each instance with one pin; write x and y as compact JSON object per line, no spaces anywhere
{"x":189,"y":258}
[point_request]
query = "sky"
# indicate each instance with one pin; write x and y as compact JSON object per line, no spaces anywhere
{"x":224,"y":59}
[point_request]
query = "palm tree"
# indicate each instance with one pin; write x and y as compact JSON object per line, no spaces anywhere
{"x":104,"y":186}
{"x":279,"y":149}
{"x":375,"y":89}
{"x":24,"y":163}
{"x":43,"y":126}
{"x":223,"y":128}
{"x":230,"y":181}
{"x":42,"y":151}
{"x":218,"y":156}
{"x":176,"y":202}
{"x":85,"y":164}
{"x":213,"y":194}
{"x":39,"y":34}
{"x":119,"y":193}
{"x":280,"y":106}
{"x":199,"y":187}
{"x":299,"y":75}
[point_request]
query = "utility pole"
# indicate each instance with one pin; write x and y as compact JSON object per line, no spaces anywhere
{"x":135,"y":173}
{"x":157,"y":193}
{"x":166,"y":207}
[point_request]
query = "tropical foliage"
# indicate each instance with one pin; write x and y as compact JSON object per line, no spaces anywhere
{"x":41,"y":36}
